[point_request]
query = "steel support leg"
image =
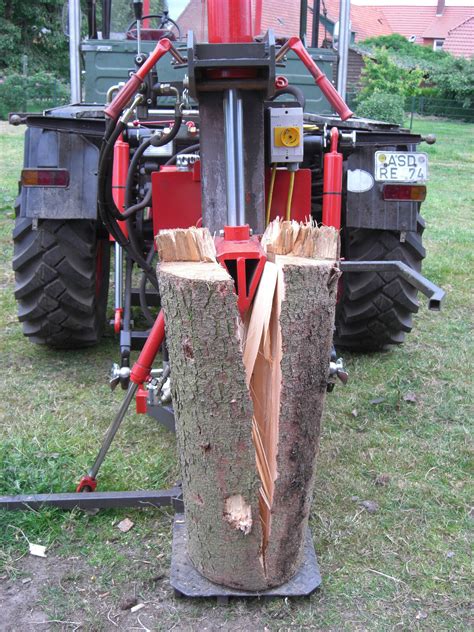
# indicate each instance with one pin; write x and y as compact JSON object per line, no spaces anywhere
{"x":89,"y":482}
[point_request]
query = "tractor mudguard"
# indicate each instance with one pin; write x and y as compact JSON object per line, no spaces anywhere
{"x":47,"y":148}
{"x":367,"y":208}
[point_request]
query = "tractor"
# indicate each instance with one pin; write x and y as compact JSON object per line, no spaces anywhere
{"x":62,"y":246}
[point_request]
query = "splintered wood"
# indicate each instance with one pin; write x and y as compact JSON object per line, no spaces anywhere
{"x":248,"y":397}
{"x":301,"y":239}
{"x":190,"y":244}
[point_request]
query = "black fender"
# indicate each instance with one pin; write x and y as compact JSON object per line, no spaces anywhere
{"x":74,"y":152}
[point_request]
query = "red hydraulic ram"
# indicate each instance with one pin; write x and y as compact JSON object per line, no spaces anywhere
{"x":229,"y":21}
{"x":332,"y":184}
{"x":119,"y":175}
{"x":142,"y":367}
{"x":326,"y":87}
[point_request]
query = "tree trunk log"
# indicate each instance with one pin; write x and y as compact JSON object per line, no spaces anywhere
{"x":248,"y":421}
{"x":306,"y":322}
{"x":213,"y":411}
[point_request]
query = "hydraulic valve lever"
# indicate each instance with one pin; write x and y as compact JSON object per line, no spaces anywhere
{"x":326,"y":87}
{"x":124,"y":95}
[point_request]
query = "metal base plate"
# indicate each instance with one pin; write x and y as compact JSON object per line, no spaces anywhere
{"x":188,"y":582}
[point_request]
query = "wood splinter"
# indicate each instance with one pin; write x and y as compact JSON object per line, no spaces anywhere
{"x":252,"y":393}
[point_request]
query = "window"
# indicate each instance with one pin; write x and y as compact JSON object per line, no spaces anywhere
{"x":438,"y":44}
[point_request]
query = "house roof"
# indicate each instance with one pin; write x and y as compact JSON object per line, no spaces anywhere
{"x":194,"y":18}
{"x":460,"y":40}
{"x":422,"y":21}
{"x":366,"y":20}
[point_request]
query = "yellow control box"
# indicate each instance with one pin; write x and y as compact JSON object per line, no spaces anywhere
{"x":286,"y":142}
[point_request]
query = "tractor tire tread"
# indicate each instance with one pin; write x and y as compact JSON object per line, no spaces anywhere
{"x":376,"y":309}
{"x":59,"y":302}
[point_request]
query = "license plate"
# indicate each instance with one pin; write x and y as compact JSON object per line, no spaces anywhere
{"x":401,"y":166}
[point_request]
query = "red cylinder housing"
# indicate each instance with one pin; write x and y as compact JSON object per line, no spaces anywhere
{"x":229,"y":21}
{"x":332,"y":184}
{"x":119,"y":176}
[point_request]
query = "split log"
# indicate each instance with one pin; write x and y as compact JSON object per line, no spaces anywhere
{"x":213,"y":411}
{"x":248,"y":400}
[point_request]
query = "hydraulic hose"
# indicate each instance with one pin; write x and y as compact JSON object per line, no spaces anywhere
{"x":156,"y":142}
{"x":108,"y":211}
{"x":186,"y":150}
{"x":294,"y":91}
{"x":142,"y":290}
{"x":105,"y":163}
{"x":139,"y":206}
{"x":106,"y":205}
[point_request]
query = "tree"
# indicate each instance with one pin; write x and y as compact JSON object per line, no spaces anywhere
{"x":39,"y":30}
{"x":381,"y":74}
{"x":33,"y":29}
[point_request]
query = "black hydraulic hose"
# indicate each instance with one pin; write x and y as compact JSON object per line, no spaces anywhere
{"x":142,"y":290}
{"x":107,"y":206}
{"x":105,"y":163}
{"x":108,"y":211}
{"x":156,"y":142}
{"x":139,"y":206}
{"x":151,"y":140}
{"x":132,"y":168}
{"x":186,"y":150}
{"x":294,"y":91}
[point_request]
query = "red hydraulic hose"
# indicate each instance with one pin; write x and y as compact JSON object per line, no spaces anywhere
{"x":326,"y":87}
{"x":332,"y":184}
{"x":142,"y":367}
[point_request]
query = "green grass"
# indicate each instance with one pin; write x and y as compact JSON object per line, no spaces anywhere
{"x":407,"y":566}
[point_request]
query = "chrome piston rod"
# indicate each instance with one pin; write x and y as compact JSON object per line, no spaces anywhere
{"x":234,"y":154}
{"x":118,"y":276}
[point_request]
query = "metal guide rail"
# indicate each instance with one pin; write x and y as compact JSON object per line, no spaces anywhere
{"x":96,"y":500}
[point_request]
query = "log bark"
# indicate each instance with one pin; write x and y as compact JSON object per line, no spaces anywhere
{"x":248,"y":401}
{"x":213,"y":411}
{"x":306,"y":323}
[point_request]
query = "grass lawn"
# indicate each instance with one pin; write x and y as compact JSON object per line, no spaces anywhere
{"x":406,"y":566}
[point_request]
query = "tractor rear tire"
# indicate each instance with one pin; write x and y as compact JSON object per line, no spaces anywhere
{"x":61,"y":281}
{"x":375,"y":309}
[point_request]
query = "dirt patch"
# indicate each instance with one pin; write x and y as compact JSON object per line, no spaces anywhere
{"x":21,"y":595}
{"x":67,"y":594}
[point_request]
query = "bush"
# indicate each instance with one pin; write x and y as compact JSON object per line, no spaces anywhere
{"x":439,"y":74}
{"x":454,"y":79}
{"x":34,"y":93}
{"x":382,"y":74}
{"x":382,"y":107}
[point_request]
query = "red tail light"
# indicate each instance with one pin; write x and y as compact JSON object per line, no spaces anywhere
{"x":404,"y":192}
{"x":45,"y":178}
